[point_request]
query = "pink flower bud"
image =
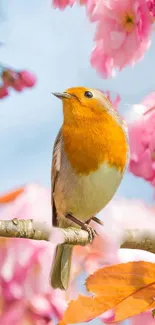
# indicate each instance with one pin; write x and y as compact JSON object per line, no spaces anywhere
{"x":18,"y":85}
{"x":8,"y":77}
{"x":3,"y":92}
{"x":28,"y":79}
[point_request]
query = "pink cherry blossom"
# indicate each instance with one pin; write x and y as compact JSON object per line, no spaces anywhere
{"x":26,"y":295}
{"x":108,"y":317}
{"x":62,"y":4}
{"x":18,"y":85}
{"x":24,"y":204}
{"x":16,"y":80}
{"x":142,"y":141}
{"x":123,"y":33}
{"x":3,"y":92}
{"x":151,"y":6}
{"x":28,"y":79}
{"x":143,"y":319}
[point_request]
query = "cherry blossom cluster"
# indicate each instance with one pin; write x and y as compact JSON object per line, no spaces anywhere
{"x":140,"y":121}
{"x":26,"y":295}
{"x":123,"y":31}
{"x":17,"y":80}
{"x":142,"y":139}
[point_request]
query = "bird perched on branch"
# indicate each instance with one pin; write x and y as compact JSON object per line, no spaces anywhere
{"x":89,"y":159}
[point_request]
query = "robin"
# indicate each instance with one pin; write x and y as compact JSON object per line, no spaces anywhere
{"x":89,"y":159}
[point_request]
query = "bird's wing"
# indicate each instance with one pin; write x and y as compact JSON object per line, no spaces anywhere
{"x":56,"y":163}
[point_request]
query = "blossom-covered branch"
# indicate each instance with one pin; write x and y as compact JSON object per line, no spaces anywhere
{"x":120,"y":25}
{"x":136,"y":238}
{"x":18,"y":80}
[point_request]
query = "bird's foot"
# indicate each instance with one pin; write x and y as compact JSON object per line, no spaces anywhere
{"x":91,"y":232}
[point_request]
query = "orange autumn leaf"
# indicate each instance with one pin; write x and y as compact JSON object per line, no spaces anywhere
{"x":141,"y":301}
{"x":124,"y":277}
{"x":121,"y":287}
{"x":89,"y":307}
{"x":11,"y":196}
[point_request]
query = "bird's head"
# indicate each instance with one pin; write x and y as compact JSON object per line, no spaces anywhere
{"x":92,"y":130}
{"x":85,"y":103}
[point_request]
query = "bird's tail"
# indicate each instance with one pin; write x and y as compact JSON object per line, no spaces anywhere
{"x":60,"y":272}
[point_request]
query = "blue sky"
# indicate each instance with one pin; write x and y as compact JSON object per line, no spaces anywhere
{"x":56,"y":46}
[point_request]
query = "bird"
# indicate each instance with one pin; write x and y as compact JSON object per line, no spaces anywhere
{"x":90,"y":156}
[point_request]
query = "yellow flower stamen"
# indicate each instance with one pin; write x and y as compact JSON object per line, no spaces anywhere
{"x":128,"y":22}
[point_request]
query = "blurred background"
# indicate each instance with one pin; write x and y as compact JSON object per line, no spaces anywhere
{"x":55,"y":46}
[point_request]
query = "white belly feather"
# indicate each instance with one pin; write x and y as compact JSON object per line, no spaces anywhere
{"x":84,"y":196}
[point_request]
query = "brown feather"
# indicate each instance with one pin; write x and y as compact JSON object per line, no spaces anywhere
{"x":60,"y":271}
{"x":56,"y":162}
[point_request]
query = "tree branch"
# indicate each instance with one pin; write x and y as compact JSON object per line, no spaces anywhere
{"x":15,"y":228}
{"x":139,"y":239}
{"x":30,"y":229}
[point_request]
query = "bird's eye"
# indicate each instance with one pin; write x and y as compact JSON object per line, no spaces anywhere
{"x":88,"y":94}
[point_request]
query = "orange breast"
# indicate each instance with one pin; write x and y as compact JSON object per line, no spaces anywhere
{"x":89,"y":144}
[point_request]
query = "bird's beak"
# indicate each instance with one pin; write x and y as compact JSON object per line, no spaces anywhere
{"x":62,"y":95}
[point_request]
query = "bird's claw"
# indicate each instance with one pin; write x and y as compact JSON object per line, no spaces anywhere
{"x":91,"y":232}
